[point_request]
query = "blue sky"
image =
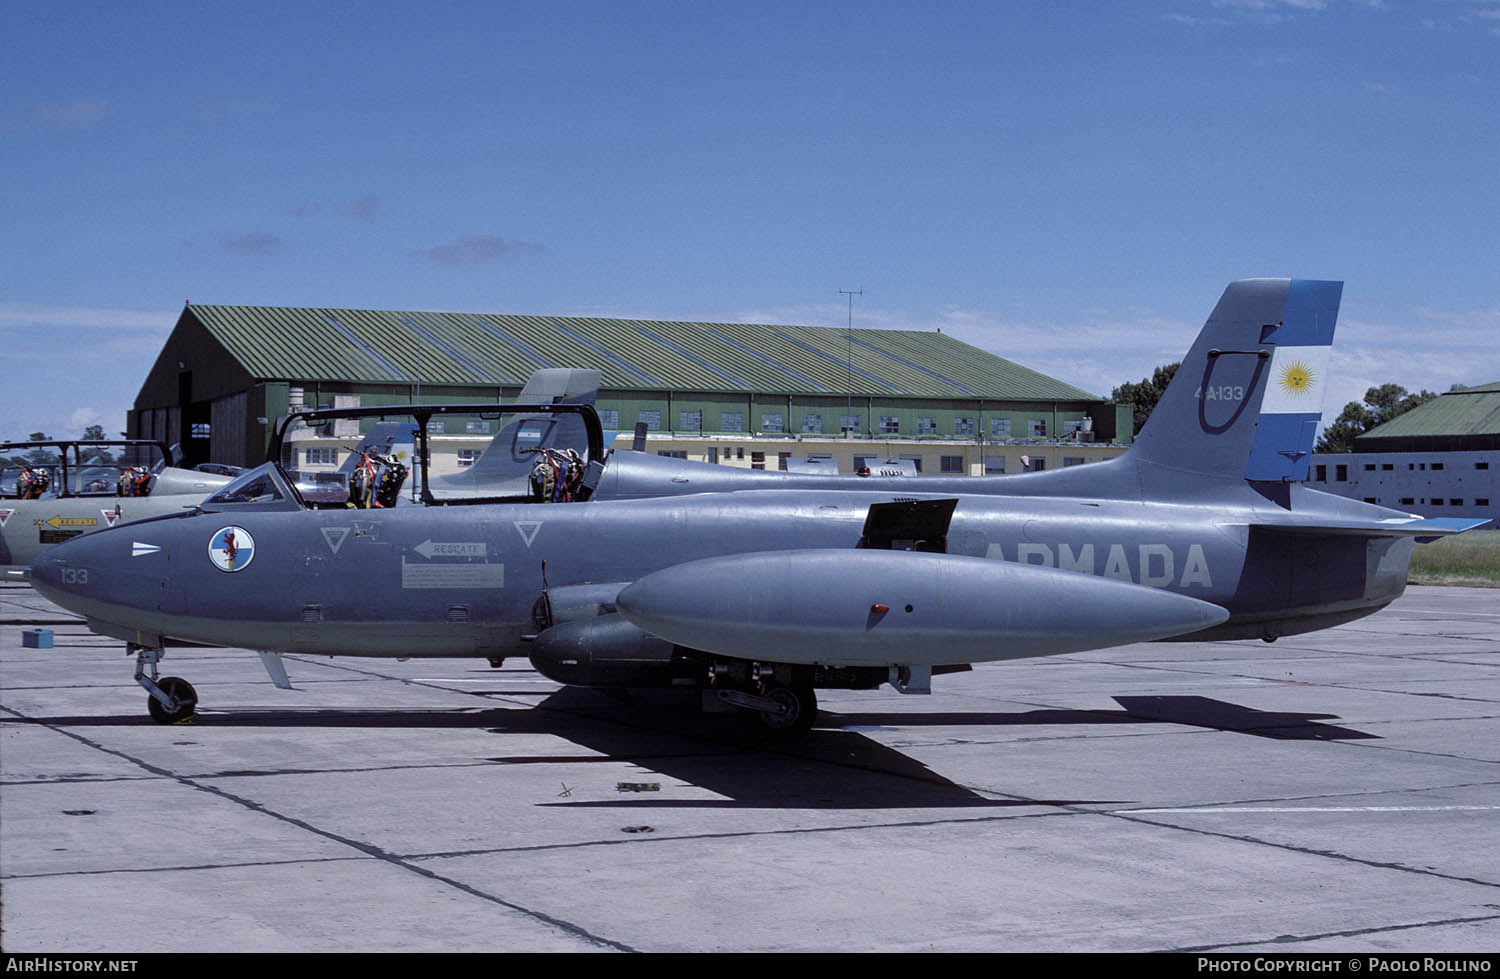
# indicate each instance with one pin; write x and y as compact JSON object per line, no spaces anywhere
{"x":1068,"y":185}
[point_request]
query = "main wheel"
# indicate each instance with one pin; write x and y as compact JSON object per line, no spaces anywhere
{"x":797,"y":707}
{"x":186,"y":696}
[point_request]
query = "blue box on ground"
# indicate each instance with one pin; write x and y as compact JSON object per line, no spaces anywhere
{"x":37,"y":638}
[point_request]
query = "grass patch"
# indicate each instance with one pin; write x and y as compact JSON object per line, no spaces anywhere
{"x":1471,"y":559}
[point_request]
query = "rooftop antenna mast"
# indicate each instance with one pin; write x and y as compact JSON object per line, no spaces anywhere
{"x":849,"y":361}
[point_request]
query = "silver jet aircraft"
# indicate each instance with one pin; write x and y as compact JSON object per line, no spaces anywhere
{"x":69,"y":487}
{"x":758,"y":588}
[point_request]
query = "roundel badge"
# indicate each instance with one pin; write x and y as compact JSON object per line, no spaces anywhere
{"x":231,"y":548}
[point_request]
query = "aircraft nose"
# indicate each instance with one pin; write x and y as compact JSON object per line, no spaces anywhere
{"x":45,"y":568}
{"x":89,"y":572}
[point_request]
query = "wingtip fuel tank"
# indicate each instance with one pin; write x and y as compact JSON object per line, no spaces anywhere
{"x":899,"y":607}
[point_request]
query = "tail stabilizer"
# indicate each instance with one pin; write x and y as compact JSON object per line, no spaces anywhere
{"x":561,"y":385}
{"x":1246,"y":402}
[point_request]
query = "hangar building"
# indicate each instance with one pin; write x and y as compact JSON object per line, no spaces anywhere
{"x":724,"y":392}
{"x":1441,"y":459}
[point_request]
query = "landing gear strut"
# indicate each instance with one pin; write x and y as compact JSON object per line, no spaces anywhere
{"x":173,"y":700}
{"x":780,"y":713}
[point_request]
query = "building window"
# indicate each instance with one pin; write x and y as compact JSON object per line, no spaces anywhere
{"x":1369,"y":467}
{"x":1437,"y":465}
{"x":1408,"y":500}
{"x":1321,"y":473}
{"x":994,"y":465}
{"x":732,"y":421}
{"x":1000,"y":427}
{"x":1386,"y":467}
{"x":770,"y":421}
{"x":436,"y":426}
{"x":1481,"y":501}
{"x":322,"y":457}
{"x":477,"y":427}
{"x":812,"y":423}
{"x":1371,"y":499}
{"x":781,"y":460}
{"x":673,"y":453}
{"x":1036,"y":465}
{"x":890,"y":425}
{"x":849,"y":423}
{"x":1481,"y":465}
{"x":1073,"y":460}
{"x":963,"y":426}
{"x":690,"y":421}
{"x":713,"y":454}
{"x":466,"y":457}
{"x":1341,"y":473}
{"x":1436,"y":501}
{"x":1036,"y":427}
{"x":1455,"y":502}
{"x":952,"y":464}
{"x":610,"y":418}
{"x":652,"y":420}
{"x":757,"y":460}
{"x":200,"y":430}
{"x":739,"y":452}
{"x":927,"y":426}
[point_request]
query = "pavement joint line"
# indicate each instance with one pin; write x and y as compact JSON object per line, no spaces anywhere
{"x":1307,"y":850}
{"x":1350,"y":933}
{"x":1331,"y":686}
{"x":1055,"y":810}
{"x":370,"y":850}
{"x":1211,"y":810}
{"x":183,"y":867}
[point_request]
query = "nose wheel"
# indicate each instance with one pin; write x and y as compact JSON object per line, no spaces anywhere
{"x":181,"y":694}
{"x":173,"y":700}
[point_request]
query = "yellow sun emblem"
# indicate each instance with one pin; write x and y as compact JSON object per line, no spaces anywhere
{"x":1297,"y":378}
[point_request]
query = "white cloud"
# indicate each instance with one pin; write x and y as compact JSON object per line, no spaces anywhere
{"x":77,"y":114}
{"x":41,"y":314}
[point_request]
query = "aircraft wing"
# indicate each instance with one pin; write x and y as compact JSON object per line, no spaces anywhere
{"x":898,"y":607}
{"x":1424,"y":529}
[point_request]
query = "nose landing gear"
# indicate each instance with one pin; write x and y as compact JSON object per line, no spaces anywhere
{"x":173,"y":700}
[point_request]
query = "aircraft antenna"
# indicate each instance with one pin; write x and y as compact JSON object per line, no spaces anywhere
{"x":849,"y":361}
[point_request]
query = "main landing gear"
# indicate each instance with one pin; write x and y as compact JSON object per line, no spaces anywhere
{"x":173,"y":700}
{"x":777,"y":712}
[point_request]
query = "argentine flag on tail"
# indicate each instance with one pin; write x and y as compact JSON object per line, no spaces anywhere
{"x":1295,"y":383}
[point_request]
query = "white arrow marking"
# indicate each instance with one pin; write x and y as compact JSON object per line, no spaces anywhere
{"x":137,"y":549}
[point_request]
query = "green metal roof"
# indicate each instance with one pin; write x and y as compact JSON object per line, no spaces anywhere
{"x":1471,"y":411}
{"x":393,"y":346}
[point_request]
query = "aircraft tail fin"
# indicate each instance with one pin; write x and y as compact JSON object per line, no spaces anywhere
{"x":1246,"y":402}
{"x":387,"y":438}
{"x":561,"y":385}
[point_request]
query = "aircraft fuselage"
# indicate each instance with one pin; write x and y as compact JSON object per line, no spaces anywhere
{"x":463,"y":581}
